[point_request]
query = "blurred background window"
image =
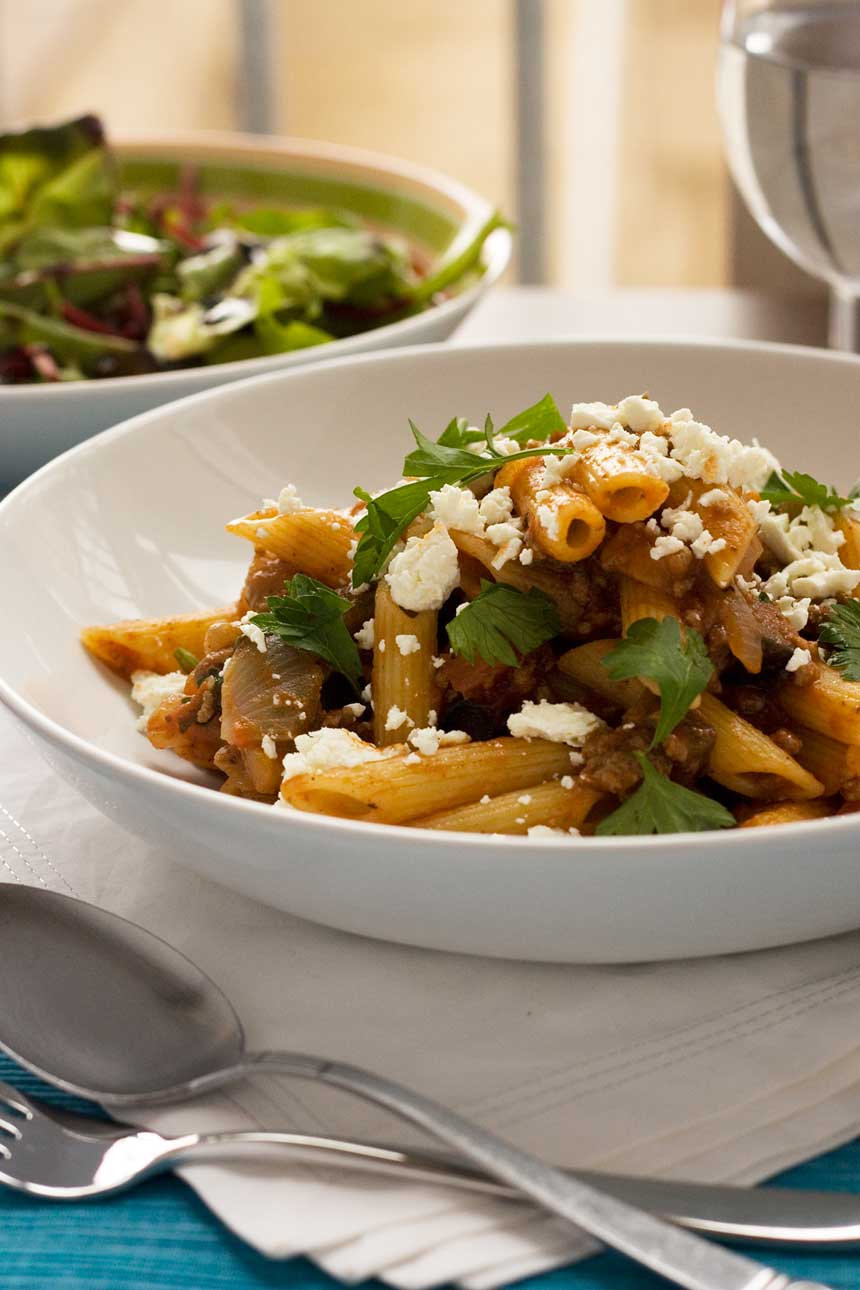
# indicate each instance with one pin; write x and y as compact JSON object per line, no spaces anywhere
{"x":593,"y":122}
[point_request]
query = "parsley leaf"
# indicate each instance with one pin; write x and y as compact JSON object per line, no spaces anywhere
{"x":310,"y":617}
{"x":793,"y":488}
{"x":654,"y":649}
{"x":659,"y":805}
{"x":446,"y":464}
{"x":384,"y":520}
{"x":186,"y":660}
{"x":502,"y":622}
{"x":842,"y":632}
{"x":458,"y":433}
{"x":539,"y":421}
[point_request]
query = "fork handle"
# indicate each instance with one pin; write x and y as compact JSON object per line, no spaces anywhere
{"x":675,"y":1254}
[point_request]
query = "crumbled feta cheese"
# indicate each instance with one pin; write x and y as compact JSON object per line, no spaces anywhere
{"x":799,"y":659}
{"x":713,"y":497}
{"x":640,"y":414}
{"x":706,"y":544}
{"x":485,"y":800}
{"x":365,"y":636}
{"x":270,"y":748}
{"x":525,"y":799}
{"x":619,"y":435}
{"x":367,"y":693}
{"x":497,"y":506}
{"x":526,"y":555}
{"x":591,"y":416}
{"x":456,"y":508}
{"x":795,"y":612}
{"x":354,"y":709}
{"x":380,"y":648}
{"x":149,"y":689}
{"x":716,"y":458}
{"x":548,"y":516}
{"x":544,"y":831}
{"x":582,"y":438}
{"x":557,"y":469}
{"x":566,"y":781}
{"x":252,"y":631}
{"x":407,"y":643}
{"x":289,"y":501}
{"x":425,"y":573}
{"x":411,"y":759}
{"x":326,"y":749}
{"x":664,"y":546}
{"x":428,"y":740}
{"x":396,"y":718}
{"x":563,"y":723}
{"x":438,"y":661}
{"x":681,"y":523}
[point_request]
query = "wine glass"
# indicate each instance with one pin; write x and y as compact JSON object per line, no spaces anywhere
{"x":789,"y":98}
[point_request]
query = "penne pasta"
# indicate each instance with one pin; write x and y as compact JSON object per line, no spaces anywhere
{"x":548,"y":804}
{"x":563,"y":523}
{"x":399,"y":789}
{"x":833,"y":763}
{"x":830,"y":705}
{"x":745,"y":760}
{"x":552,"y":583}
{"x":639,"y":601}
{"x":314,"y":542}
{"x":150,"y":644}
{"x":849,"y":552}
{"x":618,"y":482}
{"x":404,"y":678}
{"x":783,"y":813}
{"x":585,"y":665}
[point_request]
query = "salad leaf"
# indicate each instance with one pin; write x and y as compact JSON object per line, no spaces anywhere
{"x":659,"y":805}
{"x":502,"y":623}
{"x":309,"y":616}
{"x":794,"y":488}
{"x":71,"y":344}
{"x":210,"y":271}
{"x":271,"y":222}
{"x":457,"y":261}
{"x":57,"y":176}
{"x":842,"y":632}
{"x":682,"y":671}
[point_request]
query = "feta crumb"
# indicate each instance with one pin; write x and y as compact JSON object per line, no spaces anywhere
{"x":525,"y":800}
{"x":795,"y":612}
{"x":557,"y":469}
{"x":526,"y":555}
{"x":326,"y":749}
{"x":799,"y":659}
{"x":561,"y":723}
{"x":548,"y":517}
{"x":582,"y":438}
{"x":149,"y":689}
{"x":252,"y":631}
{"x":411,"y":759}
{"x":367,"y":693}
{"x":380,"y":647}
{"x":666,"y":545}
{"x":456,"y":508}
{"x":640,"y":414}
{"x":619,"y":435}
{"x":717,"y":459}
{"x":497,"y":506}
{"x":407,"y":643}
{"x":428,"y":740}
{"x":438,"y":661}
{"x":354,"y":709}
{"x":270,"y":748}
{"x":544,"y":831}
{"x":485,"y":800}
{"x":566,"y":781}
{"x":289,"y":501}
{"x":592,"y":416}
{"x":425,"y":573}
{"x":365,"y":636}
{"x":520,"y":819}
{"x":396,"y":718}
{"x":713,"y":497}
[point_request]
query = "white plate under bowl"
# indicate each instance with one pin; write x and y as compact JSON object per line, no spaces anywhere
{"x":434,"y":212}
{"x":131,"y":523}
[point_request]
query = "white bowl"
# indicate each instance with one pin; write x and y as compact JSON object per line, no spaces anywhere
{"x":131,"y":523}
{"x":38,"y":422}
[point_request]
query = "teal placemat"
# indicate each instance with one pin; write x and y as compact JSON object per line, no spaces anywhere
{"x":161,"y":1237}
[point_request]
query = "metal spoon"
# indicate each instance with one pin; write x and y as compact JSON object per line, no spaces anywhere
{"x":106,"y":1010}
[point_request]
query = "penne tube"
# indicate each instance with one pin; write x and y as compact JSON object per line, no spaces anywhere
{"x":549,"y":804}
{"x":746,"y":761}
{"x":585,"y":665}
{"x":827,"y":759}
{"x":628,"y":551}
{"x":562,"y":522}
{"x":849,"y":552}
{"x":831,"y":705}
{"x":727,"y":518}
{"x":149,"y":644}
{"x":401,"y":788}
{"x":616,"y":479}
{"x":553,"y":583}
{"x":314,"y":542}
{"x":404,"y":678}
{"x":639,"y":601}
{"x":783,"y":813}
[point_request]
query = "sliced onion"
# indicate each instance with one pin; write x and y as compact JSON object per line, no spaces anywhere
{"x":275,"y":693}
{"x":743,"y":632}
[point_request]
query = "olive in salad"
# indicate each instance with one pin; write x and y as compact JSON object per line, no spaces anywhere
{"x":97,"y":281}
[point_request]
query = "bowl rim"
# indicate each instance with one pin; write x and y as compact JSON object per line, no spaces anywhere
{"x":132,"y":774}
{"x":221,"y":144}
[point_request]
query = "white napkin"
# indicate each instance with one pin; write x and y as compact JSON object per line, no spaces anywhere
{"x":721,"y":1069}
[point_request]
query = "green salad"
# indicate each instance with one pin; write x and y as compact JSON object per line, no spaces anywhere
{"x":96,"y":281}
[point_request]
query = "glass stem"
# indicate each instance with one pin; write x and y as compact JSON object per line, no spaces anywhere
{"x":844,"y":328}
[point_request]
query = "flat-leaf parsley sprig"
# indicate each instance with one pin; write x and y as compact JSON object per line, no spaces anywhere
{"x":502,"y":623}
{"x":681,"y":670}
{"x":841,"y":632}
{"x":448,"y":460}
{"x":793,"y":488}
{"x":309,"y":616}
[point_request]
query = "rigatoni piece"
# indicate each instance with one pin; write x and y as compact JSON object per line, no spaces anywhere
{"x":398,"y":789}
{"x":827,"y":759}
{"x":404,"y":678}
{"x":784,"y":813}
{"x":150,"y":644}
{"x":746,"y":761}
{"x":549,"y":804}
{"x":585,"y":665}
{"x":727,"y":517}
{"x":563,"y":523}
{"x":640,"y":601}
{"x":314,"y":542}
{"x":617,"y":480}
{"x":830,"y":705}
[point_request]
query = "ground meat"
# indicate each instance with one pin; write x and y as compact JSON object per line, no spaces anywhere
{"x":787,"y":740}
{"x":611,"y":767}
{"x":266,"y":577}
{"x":495,"y":686}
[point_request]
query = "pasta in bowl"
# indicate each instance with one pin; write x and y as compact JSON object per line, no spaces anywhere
{"x":618,"y":622}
